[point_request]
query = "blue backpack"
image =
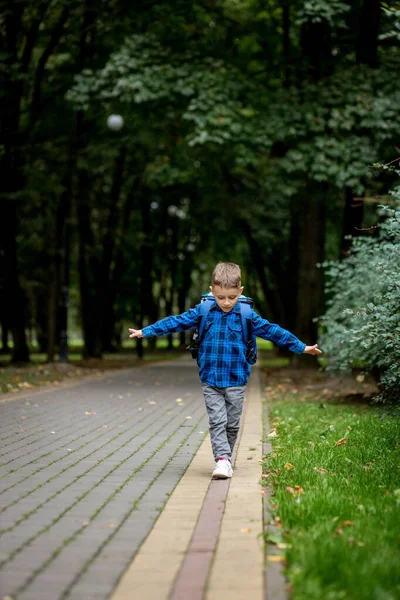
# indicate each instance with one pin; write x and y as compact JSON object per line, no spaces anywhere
{"x":246,"y":305}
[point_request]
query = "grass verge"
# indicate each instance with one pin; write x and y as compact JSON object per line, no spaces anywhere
{"x":335,"y":479}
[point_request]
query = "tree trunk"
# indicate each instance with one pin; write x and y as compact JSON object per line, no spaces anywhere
{"x":352,"y":220}
{"x":52,"y":312}
{"x":367,"y":42}
{"x":119,"y":268}
{"x":12,"y":164}
{"x":103,"y":306}
{"x":272,"y":301}
{"x":88,"y":268}
{"x":146,"y":267}
{"x":286,"y":40}
{"x":308,"y":291}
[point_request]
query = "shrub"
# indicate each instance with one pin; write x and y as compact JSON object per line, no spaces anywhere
{"x":362,"y":323}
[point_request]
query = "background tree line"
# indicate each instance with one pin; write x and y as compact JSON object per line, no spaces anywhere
{"x":249,"y":129}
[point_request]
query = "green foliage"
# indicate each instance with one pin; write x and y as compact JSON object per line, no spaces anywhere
{"x":362,"y":323}
{"x":393,"y":13}
{"x":320,"y":10}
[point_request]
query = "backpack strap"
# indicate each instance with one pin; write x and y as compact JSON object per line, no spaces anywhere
{"x":207,"y":302}
{"x":245,"y":316}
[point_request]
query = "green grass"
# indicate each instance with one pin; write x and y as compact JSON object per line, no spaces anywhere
{"x":343,"y":532}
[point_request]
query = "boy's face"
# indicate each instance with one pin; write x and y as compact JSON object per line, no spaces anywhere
{"x":226,"y":298}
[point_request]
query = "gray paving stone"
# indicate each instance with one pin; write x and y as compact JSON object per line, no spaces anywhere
{"x":96,"y":503}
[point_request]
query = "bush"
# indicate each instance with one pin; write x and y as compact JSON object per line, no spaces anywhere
{"x":362,"y":322}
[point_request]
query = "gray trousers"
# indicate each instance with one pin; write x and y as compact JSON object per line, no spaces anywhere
{"x":224,"y":407}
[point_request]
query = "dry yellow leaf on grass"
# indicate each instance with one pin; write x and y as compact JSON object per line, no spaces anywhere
{"x":342,"y":442}
{"x":288,"y":466}
{"x":296,"y":490}
{"x":320,"y":470}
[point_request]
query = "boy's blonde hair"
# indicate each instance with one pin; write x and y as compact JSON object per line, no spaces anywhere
{"x":226,"y":275}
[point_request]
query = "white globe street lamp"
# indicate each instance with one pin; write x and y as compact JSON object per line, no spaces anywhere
{"x":115,"y":122}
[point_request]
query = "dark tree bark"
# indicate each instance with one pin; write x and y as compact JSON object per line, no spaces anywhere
{"x":352,"y":220}
{"x":308,"y":291}
{"x":315,"y":39}
{"x":108,"y":332}
{"x":146,"y":299}
{"x":271,"y":296}
{"x":102,"y":307}
{"x":367,"y":54}
{"x":367,"y":41}
{"x":12,"y":165}
{"x":309,"y":213}
{"x":88,"y":264}
{"x":286,"y":40}
{"x":88,"y":268}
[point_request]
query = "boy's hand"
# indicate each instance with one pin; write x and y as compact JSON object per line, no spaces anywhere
{"x":136,"y":333}
{"x":312,"y":350}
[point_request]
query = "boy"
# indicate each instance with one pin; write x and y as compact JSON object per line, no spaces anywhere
{"x":224,"y":370}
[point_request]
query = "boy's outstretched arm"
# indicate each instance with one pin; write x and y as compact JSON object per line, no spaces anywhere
{"x":280,"y":336}
{"x":312,"y":350}
{"x":136,"y":333}
{"x":173,"y":324}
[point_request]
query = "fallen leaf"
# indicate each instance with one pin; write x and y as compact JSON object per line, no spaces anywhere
{"x":320,"y":470}
{"x":339,"y":531}
{"x":275,"y":558}
{"x":288,"y":466}
{"x":273,"y":434}
{"x":342,"y":442}
{"x":346,"y":523}
{"x":188,"y":417}
{"x":245,"y":530}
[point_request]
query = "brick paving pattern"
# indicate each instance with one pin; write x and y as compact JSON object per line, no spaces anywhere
{"x":84,"y":474}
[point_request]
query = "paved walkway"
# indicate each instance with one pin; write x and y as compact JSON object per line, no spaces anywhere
{"x":90,"y":506}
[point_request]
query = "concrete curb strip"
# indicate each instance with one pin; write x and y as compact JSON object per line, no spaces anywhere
{"x":275,"y":583}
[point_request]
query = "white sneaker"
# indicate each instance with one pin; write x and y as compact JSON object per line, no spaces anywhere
{"x":223,"y":470}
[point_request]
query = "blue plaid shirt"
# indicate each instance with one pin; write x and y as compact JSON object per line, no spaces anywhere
{"x":222,"y":352}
